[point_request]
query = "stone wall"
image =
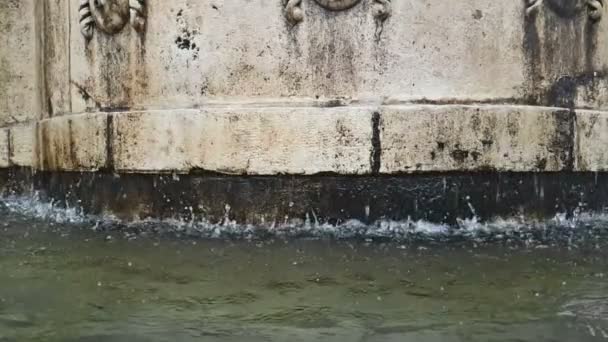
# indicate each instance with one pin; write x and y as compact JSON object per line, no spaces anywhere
{"x":304,"y":87}
{"x":20,"y":60}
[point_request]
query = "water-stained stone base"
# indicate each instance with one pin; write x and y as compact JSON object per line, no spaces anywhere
{"x":279,"y":200}
{"x":321,"y":163}
{"x":314,"y":139}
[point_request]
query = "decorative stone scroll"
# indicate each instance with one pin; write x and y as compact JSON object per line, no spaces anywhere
{"x":571,"y":8}
{"x":295,"y":14}
{"x":110,"y":16}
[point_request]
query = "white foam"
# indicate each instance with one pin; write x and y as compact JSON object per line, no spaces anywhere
{"x":32,"y":207}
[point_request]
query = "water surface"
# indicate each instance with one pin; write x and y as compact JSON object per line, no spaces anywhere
{"x":73,"y":282}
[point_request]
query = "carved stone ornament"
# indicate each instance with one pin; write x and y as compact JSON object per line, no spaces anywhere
{"x":295,"y":13}
{"x":110,"y":16}
{"x":567,"y":8}
{"x":337,"y":5}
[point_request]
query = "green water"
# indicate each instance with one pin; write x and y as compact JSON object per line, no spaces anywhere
{"x":70,"y":283}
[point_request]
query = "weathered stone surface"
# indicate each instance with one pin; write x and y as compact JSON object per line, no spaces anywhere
{"x":245,"y":140}
{"x":73,"y":143}
{"x":22,"y":145}
{"x":469,"y":138}
{"x":20,"y":90}
{"x":56,"y":57}
{"x":430,"y":51}
{"x":313,"y":140}
{"x":185,"y":57}
{"x":182,"y":54}
{"x":564,"y":43}
{"x":592,"y":141}
{"x":4,"y":148}
{"x":305,"y":88}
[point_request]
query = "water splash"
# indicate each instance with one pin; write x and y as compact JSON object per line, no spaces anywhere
{"x":33,"y":207}
{"x":562,"y":228}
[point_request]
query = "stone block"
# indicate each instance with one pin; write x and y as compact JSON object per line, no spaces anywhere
{"x":591,"y":141}
{"x":22,"y":145}
{"x":476,"y":138}
{"x":256,"y":141}
{"x":73,"y":143}
{"x":19,"y":61}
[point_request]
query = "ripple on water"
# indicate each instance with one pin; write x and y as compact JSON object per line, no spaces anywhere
{"x":236,"y":298}
{"x":283,"y":286}
{"x":595,"y":308}
{"x":323,"y":280}
{"x":14,"y":321}
{"x":109,"y":338}
{"x":300,"y":316}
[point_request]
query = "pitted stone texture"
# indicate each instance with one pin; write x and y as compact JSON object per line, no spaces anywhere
{"x":73,"y":143}
{"x":194,"y":51}
{"x":312,"y":140}
{"x":56,"y":57}
{"x":4,"y":152}
{"x":592,"y":141}
{"x":22,"y":145}
{"x":469,"y":138}
{"x":19,"y":61}
{"x":253,"y":141}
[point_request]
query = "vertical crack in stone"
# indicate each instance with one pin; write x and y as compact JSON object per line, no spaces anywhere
{"x":109,"y":143}
{"x":572,"y":140}
{"x":73,"y":156}
{"x":376,"y":155}
{"x":9,"y":147}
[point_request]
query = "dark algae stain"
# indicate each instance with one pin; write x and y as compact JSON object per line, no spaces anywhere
{"x":433,"y":197}
{"x":459,"y":154}
{"x":185,"y":39}
{"x":566,"y":9}
{"x":376,"y":155}
{"x":563,"y":143}
{"x":560,"y":46}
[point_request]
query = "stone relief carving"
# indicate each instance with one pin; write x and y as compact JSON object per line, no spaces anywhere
{"x":569,"y":8}
{"x":295,"y":13}
{"x":337,"y":5}
{"x":110,"y":16}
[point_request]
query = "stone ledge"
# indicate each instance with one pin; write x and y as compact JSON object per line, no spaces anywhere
{"x":22,"y":145}
{"x":348,"y":140}
{"x":17,"y":146}
{"x":591,"y":141}
{"x":245,"y":141}
{"x":470,"y":138}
